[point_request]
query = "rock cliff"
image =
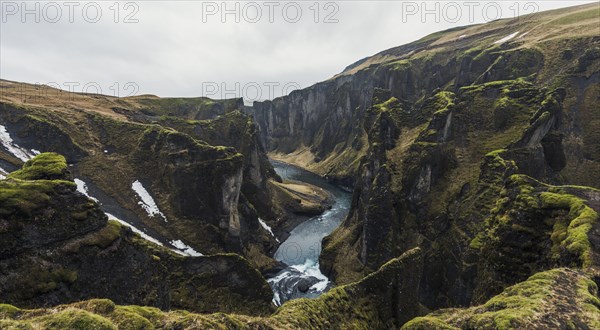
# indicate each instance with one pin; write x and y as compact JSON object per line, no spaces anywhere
{"x":58,"y":247}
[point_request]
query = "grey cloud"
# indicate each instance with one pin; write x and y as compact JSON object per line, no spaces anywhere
{"x":171,"y":52}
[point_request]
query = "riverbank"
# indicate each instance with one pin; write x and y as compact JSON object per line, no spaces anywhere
{"x":305,"y":159}
{"x":302,"y":198}
{"x":300,"y":251}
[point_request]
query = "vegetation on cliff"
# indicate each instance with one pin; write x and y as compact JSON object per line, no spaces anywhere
{"x":56,"y":246}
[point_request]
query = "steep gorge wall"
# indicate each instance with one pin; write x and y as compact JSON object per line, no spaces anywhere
{"x":416,"y":128}
{"x":200,"y":189}
{"x":58,"y":247}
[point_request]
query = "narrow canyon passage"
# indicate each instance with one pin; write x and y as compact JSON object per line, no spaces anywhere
{"x":300,"y":252}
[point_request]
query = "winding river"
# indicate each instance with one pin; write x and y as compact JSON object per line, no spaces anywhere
{"x":300,"y":252}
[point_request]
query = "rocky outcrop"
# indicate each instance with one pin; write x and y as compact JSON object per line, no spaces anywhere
{"x":383,"y":299}
{"x":555,"y":299}
{"x":322,"y":126}
{"x":431,"y":176}
{"x":425,"y":186}
{"x":58,"y":247}
{"x":193,"y":197}
{"x":152,"y":108}
{"x":210,"y":197}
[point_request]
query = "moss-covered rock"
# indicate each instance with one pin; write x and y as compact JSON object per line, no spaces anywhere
{"x":558,"y":298}
{"x":535,"y":227}
{"x":47,"y":166}
{"x":112,"y":143}
{"x":58,"y":247}
{"x":383,"y":299}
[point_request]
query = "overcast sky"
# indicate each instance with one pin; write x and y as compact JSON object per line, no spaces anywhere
{"x":187,"y":48}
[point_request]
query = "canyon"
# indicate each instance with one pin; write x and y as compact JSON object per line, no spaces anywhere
{"x":454,"y":183}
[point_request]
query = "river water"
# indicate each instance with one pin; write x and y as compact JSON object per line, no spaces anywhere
{"x":300,"y":252}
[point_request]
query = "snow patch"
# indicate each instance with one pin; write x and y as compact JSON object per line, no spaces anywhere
{"x":9,"y":144}
{"x":147,"y":202}
{"x":507,"y":38}
{"x":3,"y":173}
{"x":83,"y":189}
{"x":462,"y":36}
{"x":35,"y":152}
{"x":135,"y":230}
{"x":185,"y":249}
{"x":267,"y":228}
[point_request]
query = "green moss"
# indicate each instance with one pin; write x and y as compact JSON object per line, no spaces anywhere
{"x":587,"y":291}
{"x":325,"y":313}
{"x":21,"y":198}
{"x":42,"y":280}
{"x":8,"y":310}
{"x":387,"y":105}
{"x":46,"y":166}
{"x":398,"y":65}
{"x":427,"y":323}
{"x":443,"y":101}
{"x":76,"y":319}
{"x":16,"y":325}
{"x":558,"y":297}
{"x":355,"y":306}
{"x":101,"y":238}
{"x":573,"y":237}
{"x":31,"y":188}
{"x":476,"y":243}
{"x":505,"y":85}
{"x":125,"y":319}
{"x":98,"y":306}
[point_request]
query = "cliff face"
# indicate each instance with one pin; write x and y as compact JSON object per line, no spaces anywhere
{"x":58,"y":247}
{"x":381,"y":300}
{"x":436,"y":185}
{"x":322,"y":127}
{"x":431,"y":134}
{"x":206,"y":179}
{"x":559,"y":298}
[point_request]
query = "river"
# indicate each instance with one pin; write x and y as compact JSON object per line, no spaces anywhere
{"x":300,"y":252}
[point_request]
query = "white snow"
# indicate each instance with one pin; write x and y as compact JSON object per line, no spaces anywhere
{"x":82,"y":188}
{"x":35,"y":152}
{"x":183,"y":248}
{"x":3,"y":173}
{"x":186,"y":249}
{"x":147,"y":202}
{"x":13,"y":148}
{"x":267,"y":228}
{"x":507,"y":38}
{"x":135,"y":230}
{"x":462,"y":36}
